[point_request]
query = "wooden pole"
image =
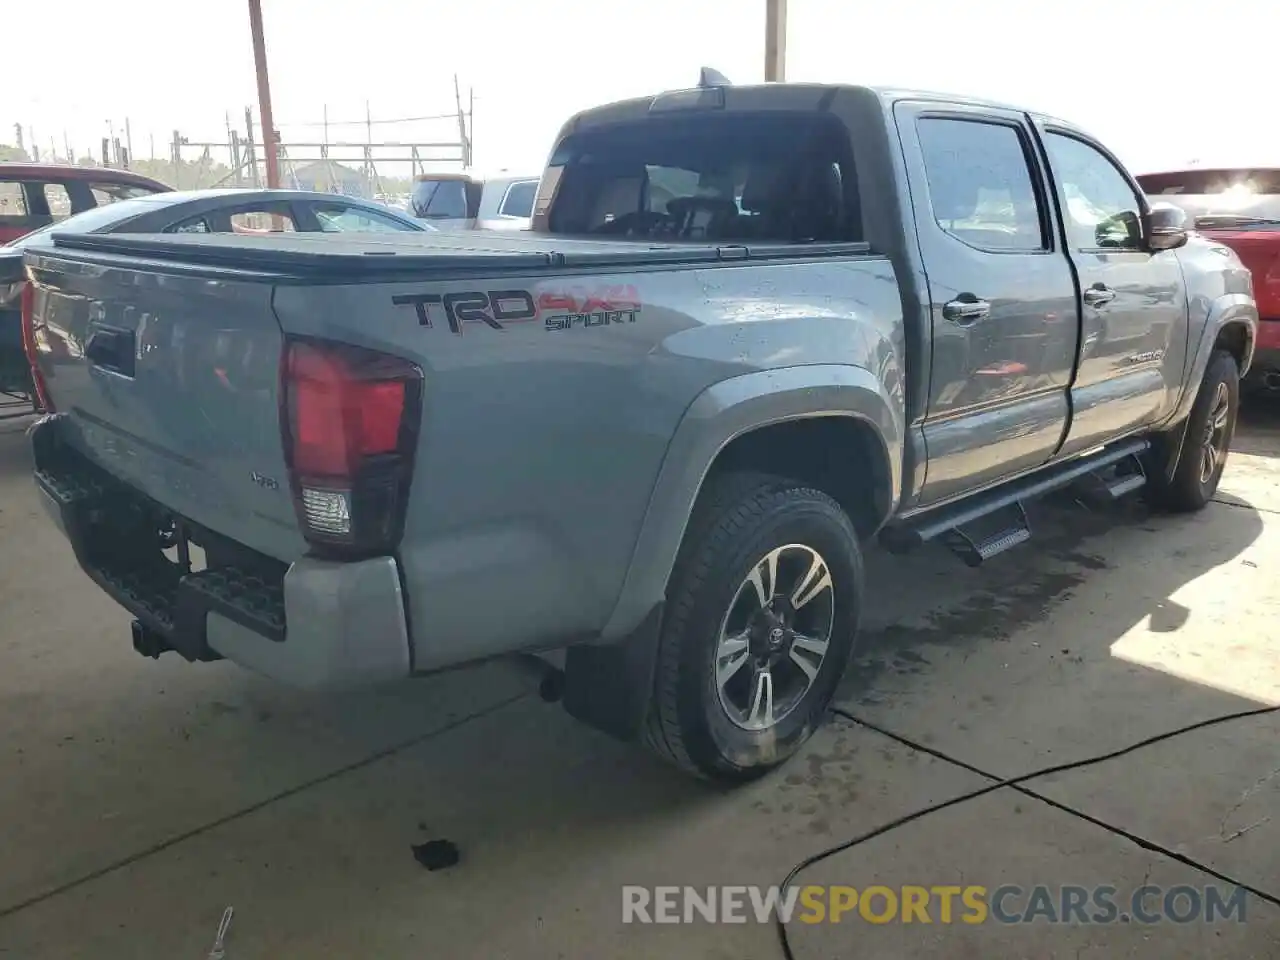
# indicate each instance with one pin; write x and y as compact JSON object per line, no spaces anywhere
{"x":264,"y":94}
{"x":775,"y":41}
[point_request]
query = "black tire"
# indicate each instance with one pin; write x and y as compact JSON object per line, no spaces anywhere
{"x":740,"y":520}
{"x":1193,"y":484}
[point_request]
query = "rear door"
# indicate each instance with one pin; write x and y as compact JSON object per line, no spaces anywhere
{"x":1002,"y":296}
{"x":1133,"y":302}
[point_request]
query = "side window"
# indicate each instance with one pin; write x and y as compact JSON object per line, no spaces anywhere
{"x":12,"y":202}
{"x":339,"y":218}
{"x":1101,"y":209}
{"x":55,"y":194}
{"x":980,"y":184}
{"x":104,"y":193}
{"x":262,"y":221}
{"x":519,"y":199}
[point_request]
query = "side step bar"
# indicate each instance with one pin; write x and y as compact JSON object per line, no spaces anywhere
{"x":1002,"y":510}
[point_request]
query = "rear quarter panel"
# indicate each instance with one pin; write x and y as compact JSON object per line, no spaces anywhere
{"x":542,"y":440}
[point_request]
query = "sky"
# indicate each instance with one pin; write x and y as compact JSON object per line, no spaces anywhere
{"x":1140,"y":74}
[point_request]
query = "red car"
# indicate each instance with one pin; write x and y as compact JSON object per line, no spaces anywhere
{"x":1240,"y":207}
{"x":34,"y":195}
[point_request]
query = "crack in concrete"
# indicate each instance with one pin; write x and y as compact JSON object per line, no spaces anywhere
{"x":1244,"y":506}
{"x":1244,"y":798}
{"x":173,"y":841}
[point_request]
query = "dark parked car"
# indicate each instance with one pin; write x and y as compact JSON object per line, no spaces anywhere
{"x":34,"y":195}
{"x":199,"y":211}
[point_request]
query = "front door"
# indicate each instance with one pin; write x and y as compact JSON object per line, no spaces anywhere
{"x":1133,"y":302}
{"x":1002,"y":297}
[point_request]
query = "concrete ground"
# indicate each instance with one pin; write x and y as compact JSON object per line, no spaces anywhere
{"x":139,"y":799}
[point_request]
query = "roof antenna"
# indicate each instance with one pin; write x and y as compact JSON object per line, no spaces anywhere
{"x":709,"y":77}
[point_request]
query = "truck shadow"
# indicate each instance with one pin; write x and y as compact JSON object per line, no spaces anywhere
{"x":952,"y":605}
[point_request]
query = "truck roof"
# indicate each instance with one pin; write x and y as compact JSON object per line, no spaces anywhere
{"x":66,"y":171}
{"x":800,"y":96}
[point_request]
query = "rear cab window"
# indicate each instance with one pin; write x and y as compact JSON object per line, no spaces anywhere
{"x":730,"y":177}
{"x":1219,"y":198}
{"x":447,"y":198}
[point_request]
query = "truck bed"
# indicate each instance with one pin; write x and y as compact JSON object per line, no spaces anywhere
{"x":344,"y":258}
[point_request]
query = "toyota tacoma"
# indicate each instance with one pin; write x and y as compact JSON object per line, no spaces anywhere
{"x":751,"y":329}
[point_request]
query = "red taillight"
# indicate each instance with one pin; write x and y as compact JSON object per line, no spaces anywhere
{"x":28,"y":295}
{"x":350,"y":423}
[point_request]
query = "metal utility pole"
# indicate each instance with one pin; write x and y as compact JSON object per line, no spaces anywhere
{"x":462,"y":124}
{"x":264,"y":93}
{"x":128,"y":144}
{"x":175,"y":153}
{"x":775,"y":41}
{"x":251,"y":150}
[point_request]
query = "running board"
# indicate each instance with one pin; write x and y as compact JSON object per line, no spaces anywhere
{"x":979,"y":541}
{"x":955,"y":522}
{"x":1110,"y":483}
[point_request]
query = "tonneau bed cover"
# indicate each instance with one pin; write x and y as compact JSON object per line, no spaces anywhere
{"x":327,"y":257}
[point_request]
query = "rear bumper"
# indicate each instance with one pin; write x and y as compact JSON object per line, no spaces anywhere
{"x":313,"y":623}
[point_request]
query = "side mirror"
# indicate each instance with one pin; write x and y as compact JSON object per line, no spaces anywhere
{"x":1166,"y":227}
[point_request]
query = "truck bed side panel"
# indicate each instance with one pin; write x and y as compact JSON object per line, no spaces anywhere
{"x":549,"y":405}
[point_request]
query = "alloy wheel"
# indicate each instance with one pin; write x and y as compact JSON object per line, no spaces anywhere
{"x":774,"y":636}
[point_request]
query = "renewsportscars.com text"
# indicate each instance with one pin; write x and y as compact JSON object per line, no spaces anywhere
{"x":937,"y":904}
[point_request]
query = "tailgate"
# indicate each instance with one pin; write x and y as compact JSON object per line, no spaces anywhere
{"x":170,"y":381}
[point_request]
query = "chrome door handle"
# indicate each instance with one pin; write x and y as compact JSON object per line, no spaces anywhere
{"x":966,"y":311}
{"x":1098,"y":295}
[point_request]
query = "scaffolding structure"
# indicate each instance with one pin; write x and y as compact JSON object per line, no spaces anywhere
{"x":347,"y":165}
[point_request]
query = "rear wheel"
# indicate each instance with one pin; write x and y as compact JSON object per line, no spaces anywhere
{"x":1210,"y":428}
{"x":762,"y":612}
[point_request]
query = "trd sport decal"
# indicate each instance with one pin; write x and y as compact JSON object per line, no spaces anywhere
{"x":497,"y":309}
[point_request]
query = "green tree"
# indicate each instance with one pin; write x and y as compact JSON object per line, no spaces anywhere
{"x":187,"y":175}
{"x":11,"y":154}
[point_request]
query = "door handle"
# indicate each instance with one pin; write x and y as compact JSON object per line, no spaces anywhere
{"x":966,"y":309}
{"x":1097,"y":295}
{"x":111,"y":349}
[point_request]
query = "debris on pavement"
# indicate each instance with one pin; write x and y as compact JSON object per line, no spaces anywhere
{"x":219,"y":941}
{"x":436,"y":854}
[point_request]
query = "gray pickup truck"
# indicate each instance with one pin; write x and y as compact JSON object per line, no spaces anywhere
{"x":752,"y":328}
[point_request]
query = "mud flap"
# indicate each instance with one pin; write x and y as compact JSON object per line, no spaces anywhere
{"x":609,"y":686}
